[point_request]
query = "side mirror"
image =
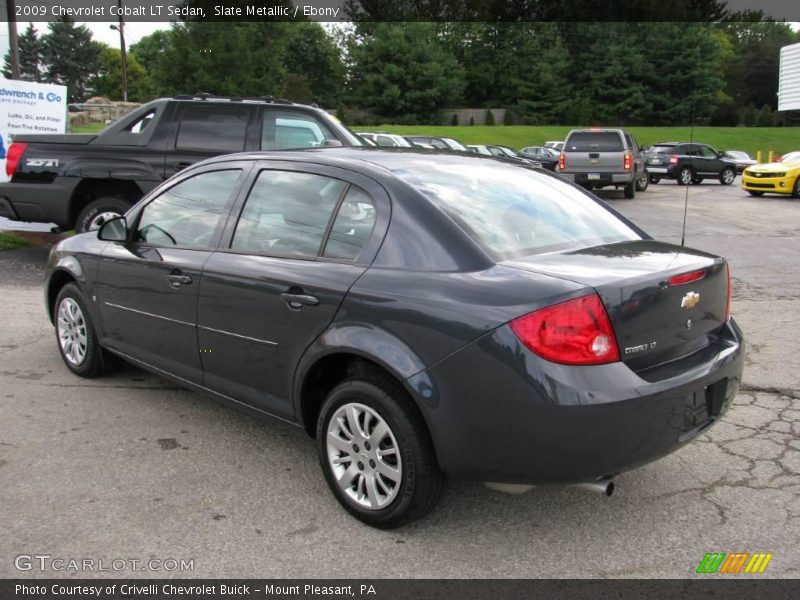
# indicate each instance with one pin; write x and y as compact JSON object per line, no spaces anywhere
{"x":329,"y":143}
{"x":114,"y":230}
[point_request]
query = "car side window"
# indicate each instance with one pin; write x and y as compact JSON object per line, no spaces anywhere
{"x":352,"y":226}
{"x":281,"y":130}
{"x":287,"y":214}
{"x":188,"y":213}
{"x":707,"y":152}
{"x":213,"y":128}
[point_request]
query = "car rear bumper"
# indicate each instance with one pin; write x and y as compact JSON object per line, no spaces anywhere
{"x":525,"y":420}
{"x":599,"y":179}
{"x":38,"y":202}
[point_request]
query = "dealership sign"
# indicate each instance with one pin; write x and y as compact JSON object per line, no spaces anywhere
{"x":789,"y":82}
{"x":27,"y":107}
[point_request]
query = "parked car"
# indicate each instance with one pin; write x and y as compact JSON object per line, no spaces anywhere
{"x":479,"y":149}
{"x":547,"y":157}
{"x":775,"y":178}
{"x":388,"y":140}
{"x":557,"y":146}
{"x":689,"y":162}
{"x":79,"y":181}
{"x":561,"y":342}
{"x":439,"y":143}
{"x":598,"y":158}
{"x":741,"y":158}
{"x":790,"y":157}
{"x":366,"y":139}
{"x":502,"y":152}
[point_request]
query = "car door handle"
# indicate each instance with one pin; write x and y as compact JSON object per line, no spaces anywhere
{"x":177,"y":280}
{"x":299,"y":300}
{"x":181,"y":165}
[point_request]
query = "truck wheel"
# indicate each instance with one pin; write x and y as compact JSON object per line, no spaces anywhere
{"x":685,"y":176}
{"x":630,"y":190}
{"x":643,"y":182}
{"x":727,"y":176}
{"x":99,"y":211}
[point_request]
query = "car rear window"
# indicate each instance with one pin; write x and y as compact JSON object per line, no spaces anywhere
{"x":595,"y":141}
{"x":511,"y":211}
{"x":662,"y":149}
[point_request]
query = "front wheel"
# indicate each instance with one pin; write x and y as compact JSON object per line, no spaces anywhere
{"x":77,"y":340}
{"x":727,"y":176}
{"x":796,"y":188}
{"x":376,"y":453}
{"x":99,"y":211}
{"x":643,"y":182}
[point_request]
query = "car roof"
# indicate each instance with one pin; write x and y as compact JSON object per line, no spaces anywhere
{"x":386,"y":159}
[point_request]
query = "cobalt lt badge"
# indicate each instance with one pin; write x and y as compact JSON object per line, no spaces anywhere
{"x":690,"y":300}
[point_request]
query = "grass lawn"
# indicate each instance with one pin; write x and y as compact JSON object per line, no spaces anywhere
{"x":11,"y":240}
{"x":750,"y":139}
{"x":90,"y":128}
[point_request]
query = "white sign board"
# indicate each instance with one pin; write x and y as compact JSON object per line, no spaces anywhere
{"x":789,"y":79}
{"x":27,"y":108}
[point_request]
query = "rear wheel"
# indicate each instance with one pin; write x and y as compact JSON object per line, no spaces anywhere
{"x":630,"y":190}
{"x":757,"y":194}
{"x":99,"y":211}
{"x":685,"y":176}
{"x":376,"y":453}
{"x":643,"y":182}
{"x":727,"y":176}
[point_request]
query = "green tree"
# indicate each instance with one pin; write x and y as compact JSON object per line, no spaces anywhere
{"x":404,"y":72}
{"x":109,"y":81}
{"x":71,"y":58}
{"x":30,"y":56}
{"x":489,"y":119}
{"x":313,"y":56}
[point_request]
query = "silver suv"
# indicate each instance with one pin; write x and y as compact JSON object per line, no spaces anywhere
{"x":597,"y":158}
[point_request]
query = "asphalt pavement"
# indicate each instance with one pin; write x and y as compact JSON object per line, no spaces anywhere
{"x":131,"y":467}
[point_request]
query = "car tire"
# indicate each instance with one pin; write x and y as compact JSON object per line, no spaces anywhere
{"x":655,"y":179}
{"x":685,"y":176}
{"x":630,"y":190}
{"x":643,"y":182}
{"x":755,"y":193}
{"x":75,"y":333}
{"x":99,"y":211}
{"x":796,"y":188}
{"x":398,"y":473}
{"x":727,"y":176}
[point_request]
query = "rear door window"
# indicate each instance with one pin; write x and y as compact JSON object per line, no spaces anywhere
{"x":352,"y":226}
{"x":594,"y":141}
{"x":213,"y":128}
{"x":283,"y":130}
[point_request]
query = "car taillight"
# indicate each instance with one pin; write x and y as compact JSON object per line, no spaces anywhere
{"x":575,"y":332}
{"x":562,"y":161}
{"x":15,"y":152}
{"x":728,"y":303}
{"x":686,"y":277}
{"x":627,"y":162}
{"x":673,"y":160}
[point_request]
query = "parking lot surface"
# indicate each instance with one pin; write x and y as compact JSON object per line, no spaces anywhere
{"x":129,"y":466}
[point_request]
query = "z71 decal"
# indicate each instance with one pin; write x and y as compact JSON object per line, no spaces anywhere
{"x":41,"y":162}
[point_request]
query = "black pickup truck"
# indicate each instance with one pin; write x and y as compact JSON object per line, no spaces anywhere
{"x":79,"y":181}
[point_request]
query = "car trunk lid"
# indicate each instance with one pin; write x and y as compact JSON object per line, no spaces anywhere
{"x":595,"y":151}
{"x":655,"y":321}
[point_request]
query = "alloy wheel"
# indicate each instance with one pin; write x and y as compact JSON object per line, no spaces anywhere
{"x":728,"y":176}
{"x":364,"y":456}
{"x":100,"y":218}
{"x":72,"y":336}
{"x":686,"y":176}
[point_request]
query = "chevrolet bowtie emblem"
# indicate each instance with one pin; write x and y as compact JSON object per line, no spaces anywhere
{"x":690,"y":300}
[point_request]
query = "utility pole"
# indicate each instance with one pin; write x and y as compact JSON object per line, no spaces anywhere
{"x":124,"y":55}
{"x":12,"y":38}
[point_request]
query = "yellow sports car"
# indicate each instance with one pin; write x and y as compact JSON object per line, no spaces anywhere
{"x":776,"y":178}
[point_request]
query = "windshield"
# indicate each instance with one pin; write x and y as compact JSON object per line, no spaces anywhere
{"x":512,"y":211}
{"x":454,"y":144}
{"x":663,"y":149}
{"x":737,"y":155}
{"x":791,"y":157}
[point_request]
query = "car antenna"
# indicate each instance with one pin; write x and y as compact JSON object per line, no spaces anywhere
{"x":686,"y":195}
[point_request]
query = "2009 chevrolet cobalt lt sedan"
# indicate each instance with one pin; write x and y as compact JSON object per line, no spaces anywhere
{"x":420,"y":315}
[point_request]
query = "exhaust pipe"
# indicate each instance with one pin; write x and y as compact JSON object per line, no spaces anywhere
{"x":604,"y":487}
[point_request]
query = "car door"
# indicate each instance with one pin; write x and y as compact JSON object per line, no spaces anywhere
{"x":712,"y":164}
{"x":147,"y":287}
{"x":209,"y":129}
{"x":304,"y":234}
